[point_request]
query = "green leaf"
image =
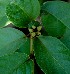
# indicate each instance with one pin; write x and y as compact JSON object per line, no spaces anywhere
{"x":60,"y":10}
{"x":52,"y":56}
{"x":33,"y":23}
{"x":11,"y":62}
{"x":3,"y":17}
{"x":66,"y":38}
{"x":53,"y":26}
{"x":25,"y":47}
{"x":42,"y":1}
{"x":26,"y":68}
{"x":22,"y":12}
{"x":10,"y":40}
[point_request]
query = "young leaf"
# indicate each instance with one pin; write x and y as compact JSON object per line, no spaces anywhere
{"x":11,"y":62}
{"x":53,"y":26}
{"x":60,"y":10}
{"x":66,"y":38}
{"x":33,"y":24}
{"x":23,"y":11}
{"x":10,"y":40}
{"x":26,"y":68}
{"x":52,"y":56}
{"x":3,"y":17}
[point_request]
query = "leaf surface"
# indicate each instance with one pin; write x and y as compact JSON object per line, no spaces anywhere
{"x":60,"y":10}
{"x":11,"y":62}
{"x":25,"y":47}
{"x":52,"y":56}
{"x":53,"y":26}
{"x":26,"y":68}
{"x":10,"y":40}
{"x":21,"y":12}
{"x":66,"y":38}
{"x":3,"y":17}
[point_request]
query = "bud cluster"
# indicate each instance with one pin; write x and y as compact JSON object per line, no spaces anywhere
{"x":35,"y":31}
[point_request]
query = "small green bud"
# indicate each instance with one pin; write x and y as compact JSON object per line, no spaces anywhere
{"x":33,"y":34}
{"x":33,"y":27}
{"x":38,"y":33}
{"x":30,"y":30}
{"x":39,"y":28}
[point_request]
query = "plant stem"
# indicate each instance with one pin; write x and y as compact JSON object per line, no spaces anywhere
{"x":31,"y":49}
{"x":31,"y":45}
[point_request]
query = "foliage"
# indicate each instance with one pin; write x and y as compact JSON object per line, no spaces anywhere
{"x":40,"y":38}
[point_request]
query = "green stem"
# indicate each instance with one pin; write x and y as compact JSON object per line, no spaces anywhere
{"x":31,"y":49}
{"x":31,"y":45}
